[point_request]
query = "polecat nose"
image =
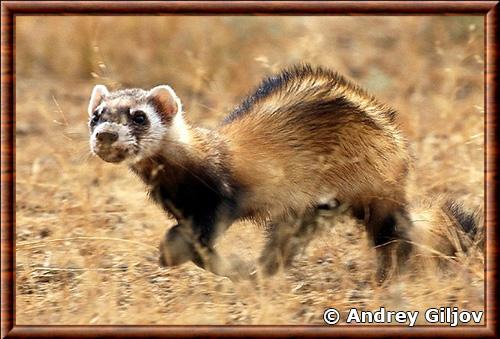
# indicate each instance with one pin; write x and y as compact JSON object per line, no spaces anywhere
{"x":107,"y":137}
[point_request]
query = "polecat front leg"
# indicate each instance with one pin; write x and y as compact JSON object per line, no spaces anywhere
{"x":182,"y":243}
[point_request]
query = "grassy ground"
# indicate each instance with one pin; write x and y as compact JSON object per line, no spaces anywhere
{"x":87,"y":236}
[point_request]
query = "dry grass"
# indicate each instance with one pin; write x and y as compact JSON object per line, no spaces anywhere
{"x":87,"y":236}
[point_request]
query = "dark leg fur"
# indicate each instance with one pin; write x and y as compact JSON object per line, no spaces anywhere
{"x":386,"y":226}
{"x":358,"y":212}
{"x":181,"y":244}
{"x":285,"y":240}
{"x":291,"y":235}
{"x":386,"y":222}
{"x":176,"y":247}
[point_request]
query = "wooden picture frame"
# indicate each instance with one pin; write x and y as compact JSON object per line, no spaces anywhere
{"x":11,"y":9}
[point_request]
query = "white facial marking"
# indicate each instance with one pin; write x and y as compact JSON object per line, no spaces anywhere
{"x":150,"y":142}
{"x":179,"y":130}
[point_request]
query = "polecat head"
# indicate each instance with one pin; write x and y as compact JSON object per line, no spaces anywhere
{"x":131,"y":124}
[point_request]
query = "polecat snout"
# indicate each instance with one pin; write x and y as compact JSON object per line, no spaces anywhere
{"x":304,"y":137}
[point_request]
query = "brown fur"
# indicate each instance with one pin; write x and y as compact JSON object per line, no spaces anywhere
{"x":314,"y":135}
{"x":305,"y":136}
{"x":287,"y":151}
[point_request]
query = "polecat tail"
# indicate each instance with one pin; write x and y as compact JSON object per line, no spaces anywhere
{"x":469,"y":222}
{"x":445,"y":229}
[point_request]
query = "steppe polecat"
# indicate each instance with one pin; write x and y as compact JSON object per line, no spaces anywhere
{"x":305,"y":137}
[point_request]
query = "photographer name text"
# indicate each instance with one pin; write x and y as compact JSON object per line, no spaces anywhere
{"x":450,"y":316}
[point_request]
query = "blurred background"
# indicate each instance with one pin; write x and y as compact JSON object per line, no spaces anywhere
{"x":86,"y":234}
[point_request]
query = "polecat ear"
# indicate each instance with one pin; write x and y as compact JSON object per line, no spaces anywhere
{"x":98,"y":93}
{"x":166,"y":99}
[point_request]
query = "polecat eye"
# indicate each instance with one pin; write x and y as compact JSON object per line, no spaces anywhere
{"x":95,"y":119}
{"x":139,"y":117}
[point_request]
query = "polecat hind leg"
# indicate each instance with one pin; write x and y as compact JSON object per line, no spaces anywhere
{"x":291,"y":235}
{"x":387,"y":225}
{"x":278,"y":248}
